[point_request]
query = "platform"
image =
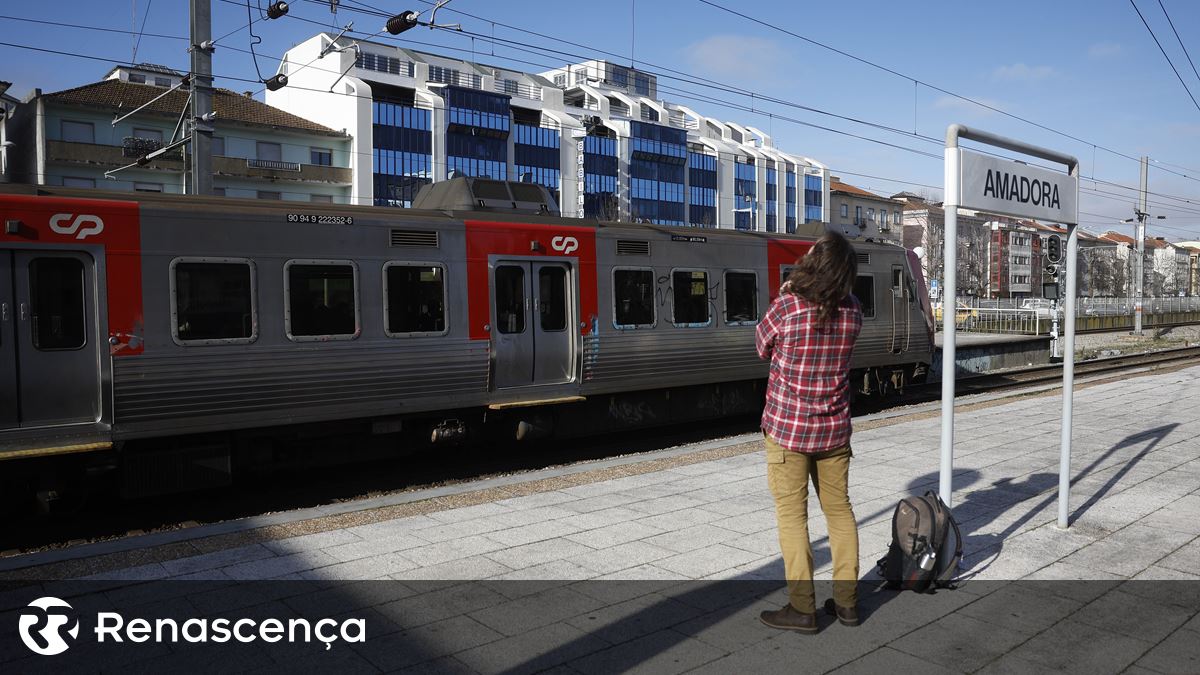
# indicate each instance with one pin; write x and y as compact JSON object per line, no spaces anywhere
{"x":987,"y":352}
{"x":661,"y":563}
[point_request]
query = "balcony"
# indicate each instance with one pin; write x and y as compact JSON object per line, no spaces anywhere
{"x":104,"y":156}
{"x":107,"y":157}
{"x":234,"y":167}
{"x":272,"y":164}
{"x":518,"y":89}
{"x":864,"y":222}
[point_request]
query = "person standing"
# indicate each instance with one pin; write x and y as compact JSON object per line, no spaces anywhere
{"x":808,"y":335}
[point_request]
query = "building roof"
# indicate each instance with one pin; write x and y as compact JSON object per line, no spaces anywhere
{"x":836,"y":185}
{"x":908,"y":196}
{"x":1118,"y":238}
{"x":149,"y":67}
{"x":228,"y":106}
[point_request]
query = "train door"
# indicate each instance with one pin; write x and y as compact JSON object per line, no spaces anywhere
{"x":533,"y":316}
{"x":901,"y":312}
{"x":49,"y":348}
{"x":8,"y":344}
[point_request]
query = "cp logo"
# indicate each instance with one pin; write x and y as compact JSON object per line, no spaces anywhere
{"x":94,"y":225}
{"x":565,"y":244}
{"x":43,"y":623}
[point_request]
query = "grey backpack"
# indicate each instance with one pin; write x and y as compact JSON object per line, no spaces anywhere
{"x":926,"y":546}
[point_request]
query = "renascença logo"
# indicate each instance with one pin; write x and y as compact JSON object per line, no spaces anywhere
{"x":43,"y":624}
{"x":45,"y":621}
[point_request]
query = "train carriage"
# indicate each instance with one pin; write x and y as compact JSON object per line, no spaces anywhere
{"x":155,"y":334}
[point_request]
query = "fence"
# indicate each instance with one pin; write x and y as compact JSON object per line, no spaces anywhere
{"x":1033,"y":316}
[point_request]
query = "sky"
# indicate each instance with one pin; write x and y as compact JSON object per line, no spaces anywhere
{"x":1084,"y":77}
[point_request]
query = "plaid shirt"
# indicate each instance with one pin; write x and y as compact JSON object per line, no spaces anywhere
{"x":808,"y":391}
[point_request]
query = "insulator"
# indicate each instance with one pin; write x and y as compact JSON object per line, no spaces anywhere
{"x":401,"y":22}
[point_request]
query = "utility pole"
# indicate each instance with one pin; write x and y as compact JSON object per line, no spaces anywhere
{"x":202,"y":116}
{"x":1141,"y":252}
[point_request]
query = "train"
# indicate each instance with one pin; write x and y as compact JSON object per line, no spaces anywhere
{"x":171,"y":340}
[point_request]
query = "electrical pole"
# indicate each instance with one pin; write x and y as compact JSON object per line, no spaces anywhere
{"x":1141,"y":252}
{"x":201,"y":123}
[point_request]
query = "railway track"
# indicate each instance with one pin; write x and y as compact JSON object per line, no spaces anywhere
{"x":101,"y":517}
{"x":1052,"y":373}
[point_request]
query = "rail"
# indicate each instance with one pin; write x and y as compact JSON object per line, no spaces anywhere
{"x":1033,"y":316}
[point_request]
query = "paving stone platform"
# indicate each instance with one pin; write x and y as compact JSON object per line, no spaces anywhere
{"x":666,"y":571}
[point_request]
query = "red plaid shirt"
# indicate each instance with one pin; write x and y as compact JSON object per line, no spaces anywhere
{"x":808,"y":390}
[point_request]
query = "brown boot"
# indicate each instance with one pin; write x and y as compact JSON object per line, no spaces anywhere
{"x":789,"y":618}
{"x":847,"y":616}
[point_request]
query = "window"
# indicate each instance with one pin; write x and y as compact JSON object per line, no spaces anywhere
{"x":415,"y":296}
{"x":148,"y":187}
{"x":864,"y":290}
{"x":266,"y":194}
{"x":162,"y":82}
{"x":137,"y":78}
{"x":322,"y":299}
{"x":218,"y":146}
{"x":741,"y":298}
{"x":691,"y":297}
{"x":69,"y":181}
{"x":56,"y":292}
{"x":883,"y":221}
{"x":895,"y":217}
{"x":213,"y":301}
{"x":320,"y":156}
{"x":552,"y":298}
{"x":871,"y":215}
{"x":633,"y":298}
{"x":510,"y":299}
{"x":858,"y":215}
{"x":78,"y":132}
{"x":321,"y":199}
{"x":148,"y":134}
{"x":845,"y":210}
{"x":268,"y":151}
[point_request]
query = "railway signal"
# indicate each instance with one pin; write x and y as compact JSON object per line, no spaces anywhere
{"x":1053,"y":249}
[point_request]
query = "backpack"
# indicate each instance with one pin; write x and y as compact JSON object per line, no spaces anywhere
{"x":926,"y":546}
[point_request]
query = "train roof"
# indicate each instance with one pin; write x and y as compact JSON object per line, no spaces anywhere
{"x":386,"y":215}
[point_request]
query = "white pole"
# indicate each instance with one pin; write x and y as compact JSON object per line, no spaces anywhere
{"x":1064,"y":460}
{"x":949,"y":309}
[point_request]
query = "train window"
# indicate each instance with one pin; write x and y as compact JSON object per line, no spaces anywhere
{"x":322,"y":300}
{"x":864,"y":290}
{"x":741,"y":298}
{"x":552,"y":298}
{"x":56,"y":299}
{"x":633,"y":298}
{"x":213,"y":300}
{"x":897,"y":277}
{"x":416,"y":299}
{"x":510,"y":299}
{"x":690,"y":297}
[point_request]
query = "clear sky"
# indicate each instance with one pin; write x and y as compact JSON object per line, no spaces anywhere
{"x":1088,"y":69}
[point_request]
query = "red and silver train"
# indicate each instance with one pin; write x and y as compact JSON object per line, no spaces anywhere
{"x":170,"y":339}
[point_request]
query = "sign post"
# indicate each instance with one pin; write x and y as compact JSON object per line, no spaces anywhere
{"x":986,"y":183}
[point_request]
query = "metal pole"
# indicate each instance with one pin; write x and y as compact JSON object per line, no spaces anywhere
{"x":949,"y":309}
{"x":1064,"y":461}
{"x":201,"y":49}
{"x":1141,"y":252}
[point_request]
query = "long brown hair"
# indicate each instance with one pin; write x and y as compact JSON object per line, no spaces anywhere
{"x":826,"y":275}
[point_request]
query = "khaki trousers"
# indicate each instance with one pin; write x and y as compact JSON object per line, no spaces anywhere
{"x":787,"y":475}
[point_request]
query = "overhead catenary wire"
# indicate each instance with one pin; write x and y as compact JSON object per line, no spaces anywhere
{"x":751,"y":109}
{"x":1164,"y":53}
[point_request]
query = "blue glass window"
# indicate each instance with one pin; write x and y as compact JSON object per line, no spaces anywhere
{"x":812,"y":198}
{"x":536,"y":155}
{"x":702,"y":189}
{"x":600,"y":178}
{"x":477,"y":129}
{"x":772,"y":198}
{"x":402,"y":153}
{"x":790,"y":191}
{"x":745,"y":190}
{"x":658,"y":157}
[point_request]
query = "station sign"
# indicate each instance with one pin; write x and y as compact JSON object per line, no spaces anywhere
{"x":999,"y":185}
